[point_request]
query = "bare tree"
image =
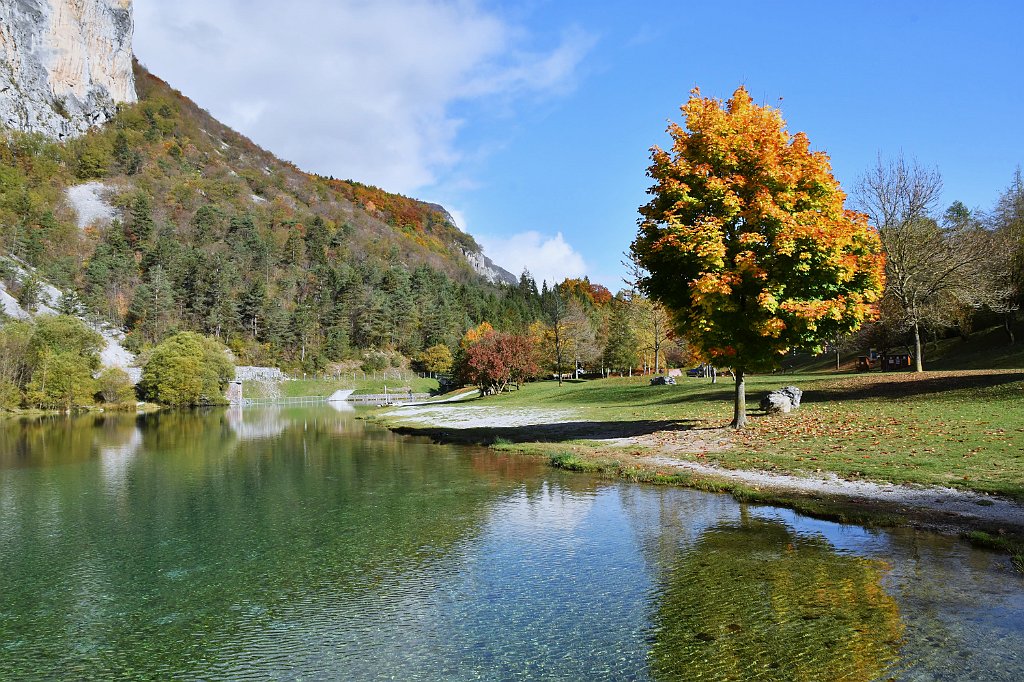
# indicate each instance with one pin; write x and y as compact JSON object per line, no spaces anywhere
{"x":652,"y":324}
{"x":651,"y":321}
{"x":896,"y":193}
{"x":1005,"y":267}
{"x":928,"y":265}
{"x":555,"y":308}
{"x":580,"y":336}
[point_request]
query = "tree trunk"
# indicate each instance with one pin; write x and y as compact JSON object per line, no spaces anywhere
{"x":918,"y":365}
{"x":739,"y":411}
{"x":558,"y":362}
{"x":1008,"y":326}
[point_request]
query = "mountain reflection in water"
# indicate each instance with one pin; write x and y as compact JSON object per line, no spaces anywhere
{"x":289,"y":542}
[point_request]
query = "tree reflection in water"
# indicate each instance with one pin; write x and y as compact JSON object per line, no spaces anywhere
{"x":755,"y":600}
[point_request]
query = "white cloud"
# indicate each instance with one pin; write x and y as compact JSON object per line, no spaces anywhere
{"x":353,"y":88}
{"x":548,"y":258}
{"x":459,"y":217}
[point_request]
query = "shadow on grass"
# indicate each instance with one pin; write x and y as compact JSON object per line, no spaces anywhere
{"x":725,"y":394}
{"x":550,"y":433}
{"x":896,"y":386}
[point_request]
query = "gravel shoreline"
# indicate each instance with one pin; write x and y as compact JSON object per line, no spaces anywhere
{"x":959,"y":505}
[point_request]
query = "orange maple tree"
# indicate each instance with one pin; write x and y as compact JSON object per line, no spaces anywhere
{"x":746,"y":240}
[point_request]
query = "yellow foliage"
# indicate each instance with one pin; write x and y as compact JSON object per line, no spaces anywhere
{"x":747,"y":240}
{"x":475,"y":334}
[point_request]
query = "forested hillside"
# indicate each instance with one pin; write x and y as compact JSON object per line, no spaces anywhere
{"x":213,"y":234}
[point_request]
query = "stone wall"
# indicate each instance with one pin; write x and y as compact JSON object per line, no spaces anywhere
{"x":249,"y":373}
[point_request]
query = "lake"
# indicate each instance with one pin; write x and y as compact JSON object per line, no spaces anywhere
{"x":304,"y":543}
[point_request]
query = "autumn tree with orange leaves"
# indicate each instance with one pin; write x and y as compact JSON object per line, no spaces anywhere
{"x":747,"y":243}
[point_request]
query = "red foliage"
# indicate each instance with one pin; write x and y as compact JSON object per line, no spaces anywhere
{"x":585,"y":289}
{"x":398,"y":210}
{"x":496,"y":360}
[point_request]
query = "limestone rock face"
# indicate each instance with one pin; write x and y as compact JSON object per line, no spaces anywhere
{"x":487,"y":268}
{"x":64,"y":64}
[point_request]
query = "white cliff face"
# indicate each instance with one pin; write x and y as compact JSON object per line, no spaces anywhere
{"x":481,"y":264}
{"x":64,"y":64}
{"x":487,"y":269}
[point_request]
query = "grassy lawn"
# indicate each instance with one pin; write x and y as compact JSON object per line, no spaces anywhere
{"x":961,"y":429}
{"x":633,"y":398}
{"x":984,"y":349}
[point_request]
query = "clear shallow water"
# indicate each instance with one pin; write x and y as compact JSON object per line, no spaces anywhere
{"x":304,"y":544}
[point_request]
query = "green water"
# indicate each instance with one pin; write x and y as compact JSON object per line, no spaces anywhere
{"x":305,"y":544}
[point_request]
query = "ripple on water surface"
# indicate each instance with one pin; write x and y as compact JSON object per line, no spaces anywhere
{"x":306,"y":544}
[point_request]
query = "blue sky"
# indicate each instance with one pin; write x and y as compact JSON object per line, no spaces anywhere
{"x":532,"y":121}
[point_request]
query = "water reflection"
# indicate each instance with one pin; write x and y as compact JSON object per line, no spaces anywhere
{"x":248,"y":424}
{"x":293,"y":542}
{"x":118,"y":441}
{"x":755,"y":600}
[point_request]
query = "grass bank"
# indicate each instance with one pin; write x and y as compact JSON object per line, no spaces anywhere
{"x":962,"y":429}
{"x":959,"y":429}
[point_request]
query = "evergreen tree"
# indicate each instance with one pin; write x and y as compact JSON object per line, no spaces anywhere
{"x":251,"y":306}
{"x":140,"y":226}
{"x":69,"y":304}
{"x":621,"y":350}
{"x":128,"y":160}
{"x":152,"y":309}
{"x":317,"y":239}
{"x":208,"y":224}
{"x":29,"y":293}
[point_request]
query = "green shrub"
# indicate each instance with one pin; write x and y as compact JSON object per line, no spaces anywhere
{"x":10,"y":396}
{"x":187,"y":369}
{"x":436,"y":359}
{"x":375,"y":361}
{"x":115,"y":386}
{"x":60,"y":334}
{"x":571,"y":462}
{"x":61,"y":380}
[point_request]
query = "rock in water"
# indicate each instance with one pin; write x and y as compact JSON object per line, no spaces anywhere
{"x":783,"y":400}
{"x":64,"y":64}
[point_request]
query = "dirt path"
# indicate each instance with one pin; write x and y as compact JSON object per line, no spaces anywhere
{"x":448,"y":416}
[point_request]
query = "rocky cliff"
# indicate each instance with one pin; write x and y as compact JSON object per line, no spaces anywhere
{"x":487,"y":268}
{"x":64,"y":64}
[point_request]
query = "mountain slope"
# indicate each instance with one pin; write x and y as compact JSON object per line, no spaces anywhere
{"x":424,"y":232}
{"x":165,"y":219}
